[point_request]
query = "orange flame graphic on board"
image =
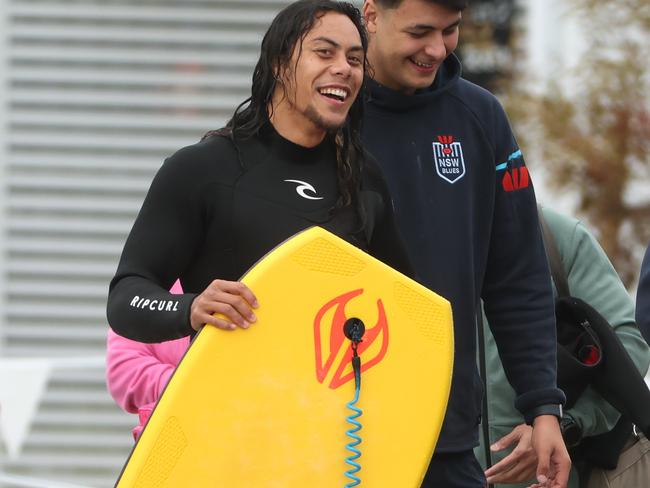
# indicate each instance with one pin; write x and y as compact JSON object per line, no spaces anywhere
{"x":325,"y":358}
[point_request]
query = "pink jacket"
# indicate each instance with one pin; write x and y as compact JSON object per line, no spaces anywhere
{"x":137,"y":373}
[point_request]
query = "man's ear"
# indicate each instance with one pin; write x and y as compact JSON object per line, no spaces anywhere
{"x":283,"y":75}
{"x":278,"y":76}
{"x":370,"y":15}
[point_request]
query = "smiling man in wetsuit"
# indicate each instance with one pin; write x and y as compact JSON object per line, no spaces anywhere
{"x":289,"y":158}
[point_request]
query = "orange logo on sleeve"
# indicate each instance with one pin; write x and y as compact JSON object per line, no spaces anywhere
{"x":329,"y":340}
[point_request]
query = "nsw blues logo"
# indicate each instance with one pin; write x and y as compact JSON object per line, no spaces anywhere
{"x":448,"y":158}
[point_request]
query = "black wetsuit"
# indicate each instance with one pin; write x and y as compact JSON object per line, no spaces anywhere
{"x":212,"y":212}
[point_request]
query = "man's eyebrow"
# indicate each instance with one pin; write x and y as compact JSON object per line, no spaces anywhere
{"x":327,"y":40}
{"x":431,"y":27}
{"x":336,"y":44}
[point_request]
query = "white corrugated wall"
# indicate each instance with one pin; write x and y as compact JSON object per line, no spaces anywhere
{"x":94,"y":95}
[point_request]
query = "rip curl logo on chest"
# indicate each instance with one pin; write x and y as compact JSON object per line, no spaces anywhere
{"x":303,"y":188}
{"x":448,"y":159}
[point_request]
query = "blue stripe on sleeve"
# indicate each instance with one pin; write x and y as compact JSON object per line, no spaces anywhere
{"x":514,"y":155}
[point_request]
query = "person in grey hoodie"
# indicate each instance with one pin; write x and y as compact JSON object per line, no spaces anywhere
{"x":592,"y":278}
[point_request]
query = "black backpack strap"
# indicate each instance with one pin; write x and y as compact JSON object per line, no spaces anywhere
{"x":554,"y":259}
{"x":485,"y":422}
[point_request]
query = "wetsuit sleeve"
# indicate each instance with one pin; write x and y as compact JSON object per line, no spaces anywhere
{"x":386,"y":242}
{"x":517,"y":288}
{"x":643,"y":297}
{"x":593,"y":279}
{"x":164,"y":237}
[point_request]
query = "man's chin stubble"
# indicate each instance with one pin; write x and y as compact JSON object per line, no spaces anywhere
{"x":312,"y":114}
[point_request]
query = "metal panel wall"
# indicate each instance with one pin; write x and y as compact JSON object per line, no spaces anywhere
{"x":97,"y":94}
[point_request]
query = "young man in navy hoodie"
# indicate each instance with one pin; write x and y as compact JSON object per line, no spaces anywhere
{"x":466,"y":207}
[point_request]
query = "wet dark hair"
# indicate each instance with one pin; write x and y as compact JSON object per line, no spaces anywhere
{"x":287,"y":31}
{"x":458,"y":5}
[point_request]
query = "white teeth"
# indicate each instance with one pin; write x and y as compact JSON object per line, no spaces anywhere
{"x":337,"y":92}
{"x":422,"y":65}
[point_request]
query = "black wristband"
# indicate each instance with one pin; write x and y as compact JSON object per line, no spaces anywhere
{"x":571,"y":431}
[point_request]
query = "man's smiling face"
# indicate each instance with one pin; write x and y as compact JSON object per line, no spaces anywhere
{"x":323,"y":78}
{"x":409,"y":43}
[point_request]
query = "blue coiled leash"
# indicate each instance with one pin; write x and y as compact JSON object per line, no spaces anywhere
{"x":354,"y":330}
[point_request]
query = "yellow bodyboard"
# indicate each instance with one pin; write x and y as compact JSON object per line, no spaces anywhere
{"x":267,"y":406}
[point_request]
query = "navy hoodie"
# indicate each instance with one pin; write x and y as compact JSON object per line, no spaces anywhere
{"x":466,"y":208}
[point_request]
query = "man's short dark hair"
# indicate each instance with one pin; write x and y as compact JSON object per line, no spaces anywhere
{"x":451,"y":4}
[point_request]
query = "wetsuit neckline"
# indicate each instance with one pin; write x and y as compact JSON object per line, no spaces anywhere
{"x":290,"y":150}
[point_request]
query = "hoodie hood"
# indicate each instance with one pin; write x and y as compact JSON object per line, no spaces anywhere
{"x":447,"y":76}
